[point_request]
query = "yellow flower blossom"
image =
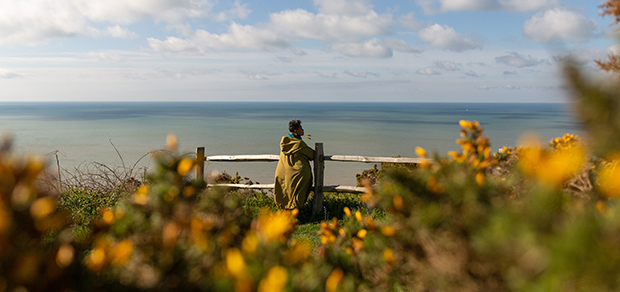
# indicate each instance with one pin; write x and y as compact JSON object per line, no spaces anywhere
{"x":185,"y":166}
{"x":274,"y":226}
{"x":274,"y":281}
{"x":398,"y":202}
{"x":96,"y":259}
{"x":358,"y":216}
{"x":249,"y":244}
{"x":234,"y":262}
{"x":388,"y":256}
{"x":121,"y":253}
{"x":388,"y":230}
{"x":42,"y":207}
{"x":480,"y":178}
{"x":331,"y":285}
{"x":420,"y":151}
{"x":347,"y":211}
{"x":300,"y":252}
{"x":609,"y":179}
{"x":107,"y":216}
{"x":64,"y":256}
{"x":362,"y":233}
{"x":552,"y":168}
{"x":141,"y":197}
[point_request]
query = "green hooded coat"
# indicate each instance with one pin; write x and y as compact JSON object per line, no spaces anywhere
{"x":293,"y":174}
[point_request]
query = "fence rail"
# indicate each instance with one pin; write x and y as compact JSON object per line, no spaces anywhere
{"x":319,"y":167}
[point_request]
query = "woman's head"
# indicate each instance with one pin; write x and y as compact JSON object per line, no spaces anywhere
{"x":294,"y":127}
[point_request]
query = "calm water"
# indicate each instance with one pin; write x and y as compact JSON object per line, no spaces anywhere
{"x":80,"y":131}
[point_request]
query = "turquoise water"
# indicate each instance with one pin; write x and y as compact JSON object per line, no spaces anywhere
{"x":80,"y":131}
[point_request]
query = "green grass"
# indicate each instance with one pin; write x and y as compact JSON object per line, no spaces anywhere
{"x":84,"y":206}
{"x":308,"y":227}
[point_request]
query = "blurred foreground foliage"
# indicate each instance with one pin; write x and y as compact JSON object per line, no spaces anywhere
{"x":528,"y":218}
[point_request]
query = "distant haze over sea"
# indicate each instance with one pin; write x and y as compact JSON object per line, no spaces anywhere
{"x":80,"y":131}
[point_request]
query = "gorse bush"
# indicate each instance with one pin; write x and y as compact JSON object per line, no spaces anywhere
{"x":530,"y":218}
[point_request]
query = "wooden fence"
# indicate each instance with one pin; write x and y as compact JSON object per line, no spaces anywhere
{"x":319,"y":167}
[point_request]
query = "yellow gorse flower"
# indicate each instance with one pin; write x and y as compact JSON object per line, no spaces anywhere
{"x":331,"y":285}
{"x":274,"y":281}
{"x":388,"y":256}
{"x":300,"y":252}
{"x":553,"y":168}
{"x":420,"y":151}
{"x":64,"y":256}
{"x":328,"y":231}
{"x":121,"y":252}
{"x":275,"y":226}
{"x":96,"y":259}
{"x":141,"y":197}
{"x":608,"y":179}
{"x":234,"y":262}
{"x":185,"y":166}
{"x":566,"y":141}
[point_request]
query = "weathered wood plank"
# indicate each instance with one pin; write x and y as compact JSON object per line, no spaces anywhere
{"x":261,"y":157}
{"x":330,"y":189}
{"x":342,"y":158}
{"x":200,"y":164}
{"x":372,"y":159}
{"x":319,"y":173}
{"x":343,"y":189}
{"x":240,"y":186}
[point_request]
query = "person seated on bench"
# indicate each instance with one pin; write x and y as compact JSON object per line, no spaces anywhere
{"x":293,"y":179}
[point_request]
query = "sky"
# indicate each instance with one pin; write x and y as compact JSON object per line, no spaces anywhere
{"x":301,"y":51}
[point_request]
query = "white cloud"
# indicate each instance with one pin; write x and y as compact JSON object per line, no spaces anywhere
{"x":446,"y":37}
{"x":238,"y":37}
{"x":511,"y":87}
{"x":517,"y":60}
{"x":435,"y":6}
{"x":456,"y":5}
{"x":527,"y":5}
{"x":428,"y":71}
{"x":559,"y":24}
{"x":264,"y":75}
{"x":120,"y":32}
{"x":237,"y":11}
{"x":126,"y":12}
{"x":105,"y":57}
{"x":344,"y":7}
{"x":330,"y":27}
{"x":361,"y":74}
{"x":409,"y":21}
{"x":8,"y":74}
{"x":510,"y":72}
{"x":372,"y":48}
{"x":401,"y":46}
{"x":448,"y":65}
{"x":37,"y":21}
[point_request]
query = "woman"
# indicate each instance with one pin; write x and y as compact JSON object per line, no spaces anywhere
{"x":293,"y":175}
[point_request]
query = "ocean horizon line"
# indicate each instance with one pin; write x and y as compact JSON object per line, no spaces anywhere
{"x":275,"y":102}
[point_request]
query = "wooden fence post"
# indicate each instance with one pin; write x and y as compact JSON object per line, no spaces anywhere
{"x":200,"y":164}
{"x":319,"y":170}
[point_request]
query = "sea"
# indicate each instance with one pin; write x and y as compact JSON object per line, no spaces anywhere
{"x":77,"y":135}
